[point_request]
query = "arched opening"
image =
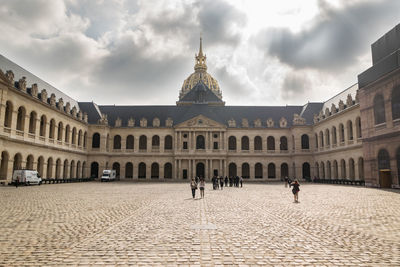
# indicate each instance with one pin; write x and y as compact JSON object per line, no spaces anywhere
{"x":379,"y":109}
{"x":94,"y":170}
{"x":328,"y":170}
{"x":168,"y":170}
{"x":65,"y":169}
{"x":4,"y":165}
{"x":142,"y":170}
{"x":350,"y":130}
{"x":232,"y":143}
{"x":58,"y":169}
{"x":21,"y":119}
{"x":155,"y":171}
{"x":43,"y":123}
{"x":245,"y":170}
{"x":258,"y":171}
{"x":29,"y":163}
{"x":32,"y":122}
{"x":117,"y":167}
{"x":84,"y":139}
{"x":284,"y":170}
{"x":335,"y":170}
{"x":200,"y":170}
{"x":129,"y":170}
{"x":343,"y":169}
{"x":72,"y":170}
{"x":322,"y":165}
{"x":96,"y":141}
{"x":361,"y":168}
{"x":334,"y":135}
{"x":306,"y":171}
{"x":341,"y":133}
{"x":155,"y":142}
{"x":317,"y":170}
{"x":284,"y":144}
{"x":245,"y":143}
{"x":305,"y":142}
{"x":78,"y":170}
{"x":108,"y":142}
{"x":200,"y":142}
{"x":67,"y":133}
{"x":257,"y":143}
{"x":316,"y":140}
{"x":270,"y":143}
{"x":142,"y":142}
{"x":321,"y":139}
{"x":352,"y":174}
{"x":80,"y":138}
{"x":168,"y":142}
{"x":271,"y":171}
{"x":8,"y":114}
{"x":60,"y":131}
{"x":73,"y":136}
{"x":117,"y":142}
{"x":130,"y":141}
{"x":396,"y":102}
{"x":49,"y":171}
{"x":358,"y":127}
{"x":327,"y":137}
{"x":84,"y":175}
{"x":52,"y":128}
{"x":17,"y":165}
{"x":232,"y":170}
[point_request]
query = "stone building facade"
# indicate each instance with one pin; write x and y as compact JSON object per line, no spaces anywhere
{"x":42,"y":128}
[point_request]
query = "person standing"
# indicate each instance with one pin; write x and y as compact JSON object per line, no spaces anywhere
{"x":193,"y":186}
{"x":241,"y":181}
{"x":226,"y":181}
{"x":296,"y":190}
{"x":17,"y":182}
{"x":286,"y":181}
{"x":221,"y":182}
{"x":202,"y":186}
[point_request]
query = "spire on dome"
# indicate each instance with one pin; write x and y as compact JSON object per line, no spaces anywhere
{"x":200,"y":59}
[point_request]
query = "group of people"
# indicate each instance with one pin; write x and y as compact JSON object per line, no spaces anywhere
{"x":218,"y":183}
{"x":296,"y":188}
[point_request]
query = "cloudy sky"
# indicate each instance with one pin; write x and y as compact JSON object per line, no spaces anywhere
{"x":139,"y":52}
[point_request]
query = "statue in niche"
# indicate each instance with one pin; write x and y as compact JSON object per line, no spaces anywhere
{"x":245,"y":123}
{"x":341,"y":105}
{"x":298,"y":120}
{"x":34,"y":90}
{"x":131,"y":122}
{"x":143,"y":122}
{"x":349,"y":100}
{"x":53,"y":100}
{"x":74,"y":111}
{"x":283,"y":122}
{"x":156,"y":122}
{"x":270,"y":123}
{"x":85,"y":117}
{"x":10,"y":76}
{"x":22,"y":84}
{"x":118,"y":122}
{"x":68,"y":108}
{"x":257,"y":123}
{"x":61,"y":104}
{"x":169,"y":122}
{"x":333,"y":109}
{"x":103,"y":120}
{"x":232,"y":123}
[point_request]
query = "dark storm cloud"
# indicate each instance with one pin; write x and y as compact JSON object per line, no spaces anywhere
{"x":294,"y":85}
{"x":336,"y":38}
{"x":217,"y":20}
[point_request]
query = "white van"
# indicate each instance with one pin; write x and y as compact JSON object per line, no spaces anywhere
{"x":108,"y":175}
{"x":26,"y":177}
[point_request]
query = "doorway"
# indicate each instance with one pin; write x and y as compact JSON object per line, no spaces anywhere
{"x":200,"y":170}
{"x":385,"y":178}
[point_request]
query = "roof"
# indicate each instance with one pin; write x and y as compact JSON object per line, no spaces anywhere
{"x":19,"y":72}
{"x":352,"y":90}
{"x":221,"y":114}
{"x":200,"y":93}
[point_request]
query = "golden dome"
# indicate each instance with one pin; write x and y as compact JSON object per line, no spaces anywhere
{"x":200,"y":74}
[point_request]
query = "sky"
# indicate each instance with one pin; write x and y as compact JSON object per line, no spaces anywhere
{"x":123,"y":52}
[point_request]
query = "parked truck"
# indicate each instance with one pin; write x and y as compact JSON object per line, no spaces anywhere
{"x":26,"y":177}
{"x":108,"y":175}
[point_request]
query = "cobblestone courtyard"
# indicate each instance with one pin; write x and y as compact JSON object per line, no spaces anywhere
{"x":133,"y":224}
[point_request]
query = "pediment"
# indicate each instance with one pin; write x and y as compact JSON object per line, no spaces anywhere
{"x":200,"y":121}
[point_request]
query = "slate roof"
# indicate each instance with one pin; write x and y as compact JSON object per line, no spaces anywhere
{"x":19,"y":72}
{"x":221,"y":114}
{"x":200,"y":93}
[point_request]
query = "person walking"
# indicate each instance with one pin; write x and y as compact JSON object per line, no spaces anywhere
{"x":226,"y":181}
{"x":17,"y":182}
{"x":295,"y":190}
{"x":202,"y":186}
{"x":221,"y":182}
{"x":286,"y":181}
{"x":193,"y":186}
{"x":241,"y":181}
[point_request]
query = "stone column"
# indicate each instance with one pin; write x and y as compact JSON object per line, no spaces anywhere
{"x":37,"y":127}
{"x":136,"y":144}
{"x":176,"y":141}
{"x":189,"y":169}
{"x":252,"y":170}
{"x":123,"y":143}
{"x":14,"y":118}
{"x":162,"y":141}
{"x":10,"y":169}
{"x":251,"y":145}
{"x":2,"y":114}
{"x":265,"y":171}
{"x":278,"y":171}
{"x":122,"y":169}
{"x":135,"y":170}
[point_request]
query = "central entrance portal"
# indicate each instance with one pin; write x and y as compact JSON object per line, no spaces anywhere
{"x":200,"y":170}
